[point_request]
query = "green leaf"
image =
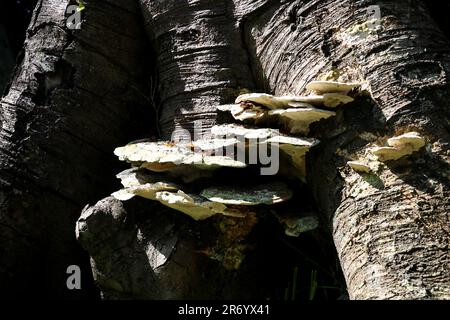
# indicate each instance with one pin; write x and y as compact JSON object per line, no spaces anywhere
{"x":81,"y":5}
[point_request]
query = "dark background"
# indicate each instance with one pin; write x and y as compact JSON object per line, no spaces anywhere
{"x":16,"y":14}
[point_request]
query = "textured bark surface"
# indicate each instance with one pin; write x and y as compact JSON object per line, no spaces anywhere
{"x":70,"y":104}
{"x":72,"y":101}
{"x":141,"y":250}
{"x":391,"y":231}
{"x":391,"y":235}
{"x":201,"y":58}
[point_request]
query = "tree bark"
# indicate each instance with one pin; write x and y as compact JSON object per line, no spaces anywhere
{"x":390,"y":229}
{"x":201,"y":59}
{"x":391,"y":235}
{"x":71,"y":102}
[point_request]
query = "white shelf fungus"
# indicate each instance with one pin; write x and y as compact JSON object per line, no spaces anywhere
{"x":155,"y":163}
{"x":164,"y":156}
{"x":331,"y":86}
{"x":359,"y":166}
{"x":333,"y":100}
{"x":298,"y":120}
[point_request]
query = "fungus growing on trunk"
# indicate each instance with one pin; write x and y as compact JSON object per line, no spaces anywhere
{"x":400,"y":146}
{"x":164,"y":171}
{"x":295,"y":149}
{"x":333,"y":100}
{"x":331,"y":86}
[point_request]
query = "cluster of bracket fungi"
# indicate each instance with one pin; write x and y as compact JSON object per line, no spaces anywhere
{"x":165,"y":171}
{"x":174,"y":173}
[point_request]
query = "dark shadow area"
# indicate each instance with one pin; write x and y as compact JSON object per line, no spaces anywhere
{"x":440,"y":11}
{"x":74,"y":125}
{"x":15,"y":16}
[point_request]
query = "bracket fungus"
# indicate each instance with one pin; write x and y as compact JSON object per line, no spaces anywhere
{"x":333,"y":100}
{"x":293,"y":148}
{"x":359,"y":166}
{"x":193,"y":205}
{"x":210,"y":201}
{"x":400,"y":146}
{"x":310,"y":100}
{"x":165,"y":156}
{"x":267,"y":100}
{"x":250,"y":195}
{"x":138,"y":182}
{"x":165,"y":171}
{"x":295,"y":112}
{"x":243,"y":112}
{"x":298,"y":120}
{"x":241,"y":132}
{"x":331,"y":86}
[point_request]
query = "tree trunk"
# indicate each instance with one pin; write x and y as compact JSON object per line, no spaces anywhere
{"x":72,"y":100}
{"x":390,"y":228}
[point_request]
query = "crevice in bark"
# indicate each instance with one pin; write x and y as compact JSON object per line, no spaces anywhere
{"x":397,"y":106}
{"x":439,"y":12}
{"x":48,"y":129}
{"x":61,"y":77}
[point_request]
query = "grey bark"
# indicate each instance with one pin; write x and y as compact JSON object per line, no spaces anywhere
{"x":70,"y":103}
{"x":201,"y":60}
{"x":391,"y":233}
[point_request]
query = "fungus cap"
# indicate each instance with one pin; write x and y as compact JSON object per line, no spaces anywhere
{"x":333,"y":100}
{"x":410,"y":138}
{"x":267,"y":100}
{"x":400,"y":146}
{"x":331,"y":86}
{"x":194,"y":206}
{"x":359,"y":166}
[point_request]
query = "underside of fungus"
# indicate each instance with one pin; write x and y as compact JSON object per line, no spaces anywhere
{"x":201,"y":205}
{"x":359,"y":166}
{"x":399,"y":147}
{"x":262,"y":194}
{"x":297,"y":120}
